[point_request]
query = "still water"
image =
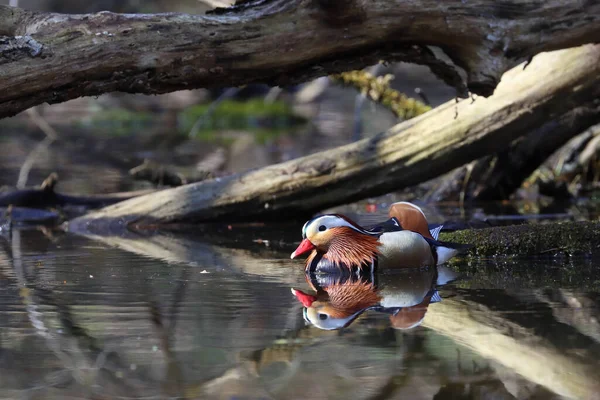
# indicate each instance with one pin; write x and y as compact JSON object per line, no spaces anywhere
{"x":176,"y":316}
{"x":210,"y":313}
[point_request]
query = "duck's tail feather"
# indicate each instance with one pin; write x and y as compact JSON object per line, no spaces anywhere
{"x":435,"y":230}
{"x":435,"y":297}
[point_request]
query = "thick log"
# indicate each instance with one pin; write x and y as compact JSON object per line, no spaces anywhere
{"x":49,"y":57}
{"x":412,"y":152}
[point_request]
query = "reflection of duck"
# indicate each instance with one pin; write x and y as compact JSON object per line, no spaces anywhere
{"x":341,"y":298}
{"x":402,"y":241}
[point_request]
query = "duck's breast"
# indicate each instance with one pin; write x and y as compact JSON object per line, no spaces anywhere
{"x":404,"y":249}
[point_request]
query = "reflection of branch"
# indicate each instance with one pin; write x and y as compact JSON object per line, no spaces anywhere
{"x":32,"y":308}
{"x":25,"y":293}
{"x":493,"y":335}
{"x":174,"y":381}
{"x":51,"y":136}
{"x":89,"y":358}
{"x":88,"y":353}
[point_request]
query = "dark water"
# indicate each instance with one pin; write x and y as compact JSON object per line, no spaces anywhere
{"x":174,"y":316}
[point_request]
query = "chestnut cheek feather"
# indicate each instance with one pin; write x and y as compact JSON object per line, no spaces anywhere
{"x":349,"y":248}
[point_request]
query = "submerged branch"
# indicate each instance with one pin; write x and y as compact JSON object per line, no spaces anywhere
{"x":46,"y":197}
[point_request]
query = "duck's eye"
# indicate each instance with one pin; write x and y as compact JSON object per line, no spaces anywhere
{"x":322,"y":316}
{"x":322,"y":228}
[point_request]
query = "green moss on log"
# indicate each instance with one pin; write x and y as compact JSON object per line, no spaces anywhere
{"x":568,"y":238}
{"x":379,"y":90}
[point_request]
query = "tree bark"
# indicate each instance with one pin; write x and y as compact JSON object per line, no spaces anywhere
{"x":412,"y":152}
{"x":48,"y":57}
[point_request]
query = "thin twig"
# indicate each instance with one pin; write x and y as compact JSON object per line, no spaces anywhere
{"x":463,"y":192}
{"x":35,"y":316}
{"x":359,"y":102}
{"x":51,"y":136}
{"x":227,"y":93}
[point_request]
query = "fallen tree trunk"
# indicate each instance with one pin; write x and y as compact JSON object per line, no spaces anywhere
{"x":49,"y":57}
{"x":412,"y":152}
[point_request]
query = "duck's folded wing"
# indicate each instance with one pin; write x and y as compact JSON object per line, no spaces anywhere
{"x":391,"y":225}
{"x":394,"y":225}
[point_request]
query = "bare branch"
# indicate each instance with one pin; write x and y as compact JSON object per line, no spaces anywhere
{"x":51,"y":136}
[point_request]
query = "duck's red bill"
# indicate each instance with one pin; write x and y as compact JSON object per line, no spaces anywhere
{"x":304,"y":247}
{"x":305,"y":299}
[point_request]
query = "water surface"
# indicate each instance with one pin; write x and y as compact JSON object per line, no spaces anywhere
{"x":174,"y":316}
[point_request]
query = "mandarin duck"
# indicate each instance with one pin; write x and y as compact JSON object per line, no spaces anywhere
{"x":341,"y":298}
{"x":334,"y":241}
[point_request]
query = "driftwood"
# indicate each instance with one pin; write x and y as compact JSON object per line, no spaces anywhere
{"x":412,"y":152}
{"x":49,"y":57}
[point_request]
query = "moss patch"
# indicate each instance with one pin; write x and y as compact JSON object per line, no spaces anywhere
{"x":119,"y":122}
{"x":267,"y":120}
{"x":568,"y":238}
